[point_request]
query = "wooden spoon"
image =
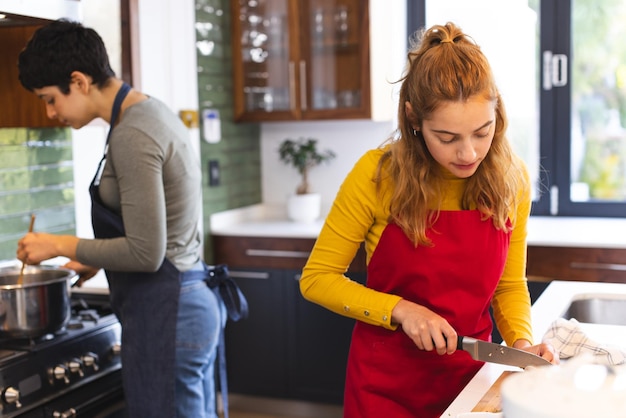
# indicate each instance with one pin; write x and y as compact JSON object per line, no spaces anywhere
{"x":20,"y":278}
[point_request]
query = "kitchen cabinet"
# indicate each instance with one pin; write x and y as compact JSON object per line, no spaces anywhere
{"x":546,"y":263}
{"x":319,"y":342}
{"x":255,"y":346}
{"x":288,"y":347}
{"x":301,"y":60}
{"x":20,"y":107}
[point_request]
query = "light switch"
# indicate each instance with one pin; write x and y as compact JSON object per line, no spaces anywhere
{"x":211,"y":126}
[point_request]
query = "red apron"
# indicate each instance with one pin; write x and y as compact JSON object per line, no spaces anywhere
{"x":387,"y":375}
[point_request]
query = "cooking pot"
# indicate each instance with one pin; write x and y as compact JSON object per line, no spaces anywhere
{"x":39,"y":305}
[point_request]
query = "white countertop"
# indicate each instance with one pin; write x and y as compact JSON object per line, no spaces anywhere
{"x":271,"y":221}
{"x":549,"y":306}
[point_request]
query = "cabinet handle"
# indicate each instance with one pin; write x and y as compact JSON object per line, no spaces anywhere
{"x":303,"y":99}
{"x":249,"y":274}
{"x":292,"y":85}
{"x":599,"y":266}
{"x":277,"y":253}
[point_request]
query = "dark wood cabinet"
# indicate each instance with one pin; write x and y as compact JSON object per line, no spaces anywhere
{"x":319,"y":342}
{"x":288,"y":347}
{"x":255,"y":346}
{"x":301,"y":60}
{"x":576,"y":264}
{"x":20,"y":107}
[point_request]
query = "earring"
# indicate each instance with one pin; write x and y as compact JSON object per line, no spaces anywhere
{"x":414,"y":132}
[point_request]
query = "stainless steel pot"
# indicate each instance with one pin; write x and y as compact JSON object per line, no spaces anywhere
{"x":39,"y":305}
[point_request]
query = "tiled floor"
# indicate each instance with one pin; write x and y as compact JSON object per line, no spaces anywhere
{"x":254,"y":407}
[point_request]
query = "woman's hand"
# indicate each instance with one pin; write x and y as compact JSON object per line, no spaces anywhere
{"x":427,"y":329}
{"x":36,"y":247}
{"x":84,"y":272}
{"x":546,"y":351}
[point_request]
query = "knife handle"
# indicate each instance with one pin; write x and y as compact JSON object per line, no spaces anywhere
{"x":467,"y":340}
{"x":459,"y":342}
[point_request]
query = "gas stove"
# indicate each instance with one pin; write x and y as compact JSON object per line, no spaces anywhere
{"x":60,"y":374}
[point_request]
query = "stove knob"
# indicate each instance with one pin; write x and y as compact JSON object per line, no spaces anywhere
{"x":60,"y":372}
{"x":70,"y":413}
{"x":76,"y":366}
{"x":116,"y":350}
{"x":91,"y":360}
{"x":12,"y":395}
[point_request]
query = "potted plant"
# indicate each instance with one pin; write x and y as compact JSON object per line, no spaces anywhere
{"x":303,"y":155}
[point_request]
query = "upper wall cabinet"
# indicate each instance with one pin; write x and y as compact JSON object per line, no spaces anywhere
{"x":302,"y":60}
{"x":20,"y":107}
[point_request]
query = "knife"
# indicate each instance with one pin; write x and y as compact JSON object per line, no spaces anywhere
{"x":500,"y":354}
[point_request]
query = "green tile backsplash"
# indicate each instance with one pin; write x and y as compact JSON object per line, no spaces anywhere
{"x":238,"y":153}
{"x":36,"y":176}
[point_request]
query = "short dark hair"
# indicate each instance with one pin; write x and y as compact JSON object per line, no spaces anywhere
{"x":58,"y":49}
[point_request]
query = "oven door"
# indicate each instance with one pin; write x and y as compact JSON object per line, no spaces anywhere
{"x":101,"y":398}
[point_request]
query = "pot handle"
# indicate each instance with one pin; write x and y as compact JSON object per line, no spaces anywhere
{"x":74,"y":280}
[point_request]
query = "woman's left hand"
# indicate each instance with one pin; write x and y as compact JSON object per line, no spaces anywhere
{"x":84,"y":272}
{"x":546,"y":351}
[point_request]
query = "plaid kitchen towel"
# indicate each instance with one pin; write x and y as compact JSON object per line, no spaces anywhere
{"x":567,"y":337}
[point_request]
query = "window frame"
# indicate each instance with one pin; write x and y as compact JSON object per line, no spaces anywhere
{"x":554,"y":120}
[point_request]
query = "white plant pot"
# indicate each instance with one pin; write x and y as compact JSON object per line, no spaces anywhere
{"x":304,"y":207}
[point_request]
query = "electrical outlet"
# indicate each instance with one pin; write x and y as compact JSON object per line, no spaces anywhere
{"x":214,"y":173}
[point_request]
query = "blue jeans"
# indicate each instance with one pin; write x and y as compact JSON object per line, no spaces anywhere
{"x":201,"y":316}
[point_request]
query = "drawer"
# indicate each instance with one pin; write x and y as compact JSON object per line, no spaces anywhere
{"x":271,"y":253}
{"x":576,"y":264}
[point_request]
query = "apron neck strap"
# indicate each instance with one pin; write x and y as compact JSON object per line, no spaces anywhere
{"x":115,"y":112}
{"x":117,"y":105}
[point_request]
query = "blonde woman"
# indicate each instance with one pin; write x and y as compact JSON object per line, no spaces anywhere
{"x":442,"y":209}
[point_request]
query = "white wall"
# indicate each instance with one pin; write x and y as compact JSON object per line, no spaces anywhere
{"x":347,"y":139}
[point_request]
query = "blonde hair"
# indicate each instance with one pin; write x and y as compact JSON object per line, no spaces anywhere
{"x":446,"y":65}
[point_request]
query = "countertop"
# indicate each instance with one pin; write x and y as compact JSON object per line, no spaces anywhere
{"x":271,"y":221}
{"x":549,"y":306}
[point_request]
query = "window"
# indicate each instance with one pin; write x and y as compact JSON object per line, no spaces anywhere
{"x":561,"y":69}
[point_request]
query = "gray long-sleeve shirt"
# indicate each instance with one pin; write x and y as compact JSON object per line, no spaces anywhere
{"x":153,"y":179}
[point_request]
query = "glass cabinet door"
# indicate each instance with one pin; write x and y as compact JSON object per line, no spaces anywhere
{"x":335,"y":73}
{"x":264,"y":70}
{"x":300,"y":59}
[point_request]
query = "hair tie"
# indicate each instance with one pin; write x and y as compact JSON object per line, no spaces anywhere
{"x":446,"y":41}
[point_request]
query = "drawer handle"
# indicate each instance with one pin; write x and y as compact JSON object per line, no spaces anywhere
{"x":599,"y":266}
{"x":249,"y":274}
{"x":277,"y":253}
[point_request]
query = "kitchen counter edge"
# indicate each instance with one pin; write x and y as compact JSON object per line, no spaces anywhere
{"x":271,"y":221}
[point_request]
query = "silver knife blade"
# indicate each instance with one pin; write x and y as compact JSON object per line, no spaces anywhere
{"x":500,"y":354}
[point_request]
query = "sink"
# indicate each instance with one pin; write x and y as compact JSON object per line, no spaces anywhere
{"x":606,"y":309}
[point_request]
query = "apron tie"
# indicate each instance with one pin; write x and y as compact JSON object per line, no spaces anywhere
{"x":235,"y":301}
{"x":236,"y":307}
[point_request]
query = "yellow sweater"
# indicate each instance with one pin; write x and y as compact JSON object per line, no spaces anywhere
{"x":358,"y":215}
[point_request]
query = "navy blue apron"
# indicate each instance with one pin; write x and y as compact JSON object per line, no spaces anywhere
{"x":146,"y":305}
